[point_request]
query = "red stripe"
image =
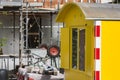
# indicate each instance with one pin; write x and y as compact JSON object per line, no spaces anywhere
{"x":97,"y":53}
{"x":97,"y":31}
{"x":97,"y":75}
{"x":30,"y":78}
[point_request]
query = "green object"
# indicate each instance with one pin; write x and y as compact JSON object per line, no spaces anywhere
{"x":1,"y":52}
{"x":2,"y":41}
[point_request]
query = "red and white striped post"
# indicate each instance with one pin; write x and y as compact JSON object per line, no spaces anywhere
{"x":97,"y":50}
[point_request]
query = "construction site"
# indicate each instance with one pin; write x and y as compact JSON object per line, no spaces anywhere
{"x":54,"y":39}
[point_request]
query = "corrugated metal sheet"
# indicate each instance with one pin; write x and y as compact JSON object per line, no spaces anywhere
{"x":100,"y":11}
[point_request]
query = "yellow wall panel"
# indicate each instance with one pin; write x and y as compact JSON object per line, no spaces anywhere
{"x":64,"y":48}
{"x":110,"y":57}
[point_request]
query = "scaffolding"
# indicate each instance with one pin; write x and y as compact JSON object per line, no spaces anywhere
{"x":26,"y":9}
{"x":24,"y":28}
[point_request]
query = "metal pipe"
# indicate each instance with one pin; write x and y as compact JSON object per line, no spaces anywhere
{"x":98,"y":1}
{"x":39,"y":31}
{"x":51,"y":23}
{"x":81,"y":1}
{"x":14,"y":32}
{"x":26,"y":35}
{"x":89,"y":1}
{"x":58,"y":4}
{"x":50,"y":3}
{"x":21,"y":35}
{"x":14,"y":26}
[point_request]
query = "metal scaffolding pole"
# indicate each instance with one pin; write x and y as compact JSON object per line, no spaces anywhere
{"x":23,"y":31}
{"x":21,"y":43}
{"x":26,"y":35}
{"x":98,"y":1}
{"x":58,"y":4}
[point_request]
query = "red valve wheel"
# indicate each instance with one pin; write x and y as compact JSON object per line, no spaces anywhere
{"x":54,"y":51}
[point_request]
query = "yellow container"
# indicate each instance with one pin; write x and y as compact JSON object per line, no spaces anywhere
{"x":90,"y":41}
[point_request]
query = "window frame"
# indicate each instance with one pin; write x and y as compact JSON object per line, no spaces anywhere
{"x":78,"y":48}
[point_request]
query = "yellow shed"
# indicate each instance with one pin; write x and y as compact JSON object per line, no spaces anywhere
{"x":90,"y":41}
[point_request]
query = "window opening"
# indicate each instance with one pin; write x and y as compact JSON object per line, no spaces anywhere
{"x":82,"y":49}
{"x":74,"y":48}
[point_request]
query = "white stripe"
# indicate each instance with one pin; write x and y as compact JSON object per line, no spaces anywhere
{"x":35,"y":0}
{"x":98,"y":23}
{"x":97,"y":65}
{"x":97,"y":42}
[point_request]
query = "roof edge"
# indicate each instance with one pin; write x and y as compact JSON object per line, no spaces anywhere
{"x":63,"y":10}
{"x":108,"y":19}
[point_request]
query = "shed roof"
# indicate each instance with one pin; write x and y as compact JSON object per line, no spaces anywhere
{"x":94,"y":11}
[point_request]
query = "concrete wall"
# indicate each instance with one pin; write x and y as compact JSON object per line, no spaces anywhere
{"x":7,"y":31}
